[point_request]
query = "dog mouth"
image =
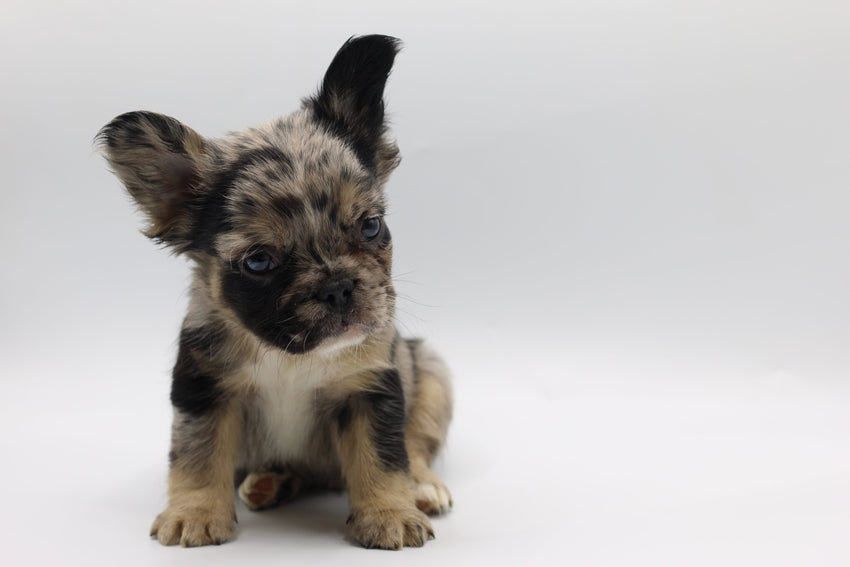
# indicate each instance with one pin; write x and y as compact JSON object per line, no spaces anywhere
{"x":333,"y":326}
{"x":338,"y":333}
{"x":330,"y":334}
{"x":317,"y":323}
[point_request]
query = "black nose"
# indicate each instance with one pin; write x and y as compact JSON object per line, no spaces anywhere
{"x":337,"y":295}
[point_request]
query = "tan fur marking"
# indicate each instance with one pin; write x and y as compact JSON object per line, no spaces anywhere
{"x":383,"y":513}
{"x":427,"y":424}
{"x":200,"y":500}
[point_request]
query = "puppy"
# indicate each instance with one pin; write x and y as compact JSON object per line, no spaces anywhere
{"x":290,"y":374}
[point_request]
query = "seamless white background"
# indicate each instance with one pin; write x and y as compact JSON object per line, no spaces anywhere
{"x":624,"y":223}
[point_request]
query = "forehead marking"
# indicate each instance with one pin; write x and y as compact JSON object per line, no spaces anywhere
{"x":290,"y":182}
{"x":273,"y":158}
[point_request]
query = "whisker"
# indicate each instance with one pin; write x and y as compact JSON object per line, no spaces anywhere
{"x":411,"y":300}
{"x":409,"y":314}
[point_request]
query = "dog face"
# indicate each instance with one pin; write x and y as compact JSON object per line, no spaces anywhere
{"x":304,"y":253}
{"x":285,"y":222}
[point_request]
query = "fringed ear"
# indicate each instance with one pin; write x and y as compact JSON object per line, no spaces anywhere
{"x":159,"y":161}
{"x":350,"y":100}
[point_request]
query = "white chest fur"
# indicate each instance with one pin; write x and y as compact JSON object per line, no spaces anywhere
{"x":286,"y":392}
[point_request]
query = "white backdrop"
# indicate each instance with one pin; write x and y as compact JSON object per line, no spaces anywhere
{"x":624,"y":223}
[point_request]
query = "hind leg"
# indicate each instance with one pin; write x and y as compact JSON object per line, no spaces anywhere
{"x":267,"y":488}
{"x":428,"y":420}
{"x":431,"y":494}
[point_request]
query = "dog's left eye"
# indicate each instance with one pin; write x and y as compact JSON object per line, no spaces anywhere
{"x":370,"y":228}
{"x":260,"y":263}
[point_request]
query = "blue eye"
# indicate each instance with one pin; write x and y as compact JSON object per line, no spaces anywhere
{"x":370,"y":228}
{"x":260,"y":263}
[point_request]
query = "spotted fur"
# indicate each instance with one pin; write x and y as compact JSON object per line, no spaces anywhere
{"x":290,"y":374}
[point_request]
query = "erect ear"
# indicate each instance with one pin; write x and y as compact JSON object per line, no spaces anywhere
{"x":350,"y":100}
{"x":159,"y":160}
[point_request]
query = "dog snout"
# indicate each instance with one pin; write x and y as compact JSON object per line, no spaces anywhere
{"x":337,"y":295}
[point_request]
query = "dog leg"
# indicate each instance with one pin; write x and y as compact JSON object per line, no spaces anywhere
{"x":266,"y":488}
{"x":427,"y":424}
{"x":200,"y":508}
{"x":376,"y":468}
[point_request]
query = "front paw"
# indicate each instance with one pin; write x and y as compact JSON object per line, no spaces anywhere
{"x":390,"y":529}
{"x":194,"y":526}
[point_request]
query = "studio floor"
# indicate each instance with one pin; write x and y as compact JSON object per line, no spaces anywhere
{"x":562,"y":461}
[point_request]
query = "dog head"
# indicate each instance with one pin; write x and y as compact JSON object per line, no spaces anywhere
{"x":285,"y":222}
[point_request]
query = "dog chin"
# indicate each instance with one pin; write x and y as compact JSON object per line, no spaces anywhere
{"x":353,"y":335}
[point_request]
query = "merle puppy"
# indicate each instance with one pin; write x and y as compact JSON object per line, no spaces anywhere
{"x":291,"y":375}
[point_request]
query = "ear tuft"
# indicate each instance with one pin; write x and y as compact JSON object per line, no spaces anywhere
{"x":158,"y":159}
{"x":350,"y":100}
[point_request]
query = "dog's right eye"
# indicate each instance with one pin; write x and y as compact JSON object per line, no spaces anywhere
{"x":260,"y":263}
{"x":370,"y":228}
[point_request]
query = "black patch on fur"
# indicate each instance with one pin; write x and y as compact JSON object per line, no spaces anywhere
{"x":256,"y":301}
{"x":268,"y":154}
{"x":324,"y":204}
{"x":343,"y":416}
{"x":320,"y":201}
{"x":210,"y":216}
{"x":194,"y":391}
{"x":204,"y":339}
{"x":350,"y":101}
{"x":388,"y":418}
{"x":288,"y":206}
{"x":311,"y":248}
{"x":383,"y":407}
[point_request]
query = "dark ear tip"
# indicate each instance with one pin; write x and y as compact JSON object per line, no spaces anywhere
{"x":361,"y":65}
{"x":105,"y":137}
{"x":142,"y":128}
{"x":374,"y":42}
{"x":108,"y":135}
{"x":376,"y":52}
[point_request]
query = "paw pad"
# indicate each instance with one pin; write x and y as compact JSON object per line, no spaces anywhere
{"x":432,"y":498}
{"x":262,"y":490}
